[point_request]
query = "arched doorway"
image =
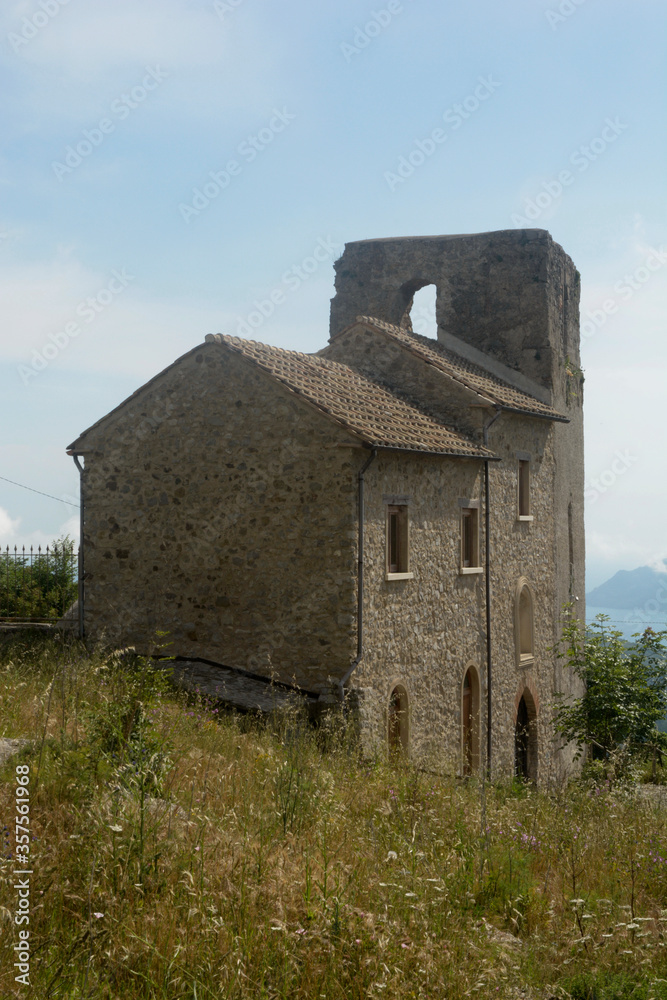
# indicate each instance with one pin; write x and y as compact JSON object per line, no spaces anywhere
{"x":397,"y":720}
{"x":525,"y":739}
{"x":470,"y":721}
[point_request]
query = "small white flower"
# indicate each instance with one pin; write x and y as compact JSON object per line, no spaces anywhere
{"x":392,"y":856}
{"x":98,"y":915}
{"x":116,"y":828}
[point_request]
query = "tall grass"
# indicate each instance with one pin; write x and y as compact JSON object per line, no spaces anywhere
{"x":181,"y":852}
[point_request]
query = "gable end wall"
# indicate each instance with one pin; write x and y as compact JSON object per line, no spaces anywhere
{"x":223,"y":510}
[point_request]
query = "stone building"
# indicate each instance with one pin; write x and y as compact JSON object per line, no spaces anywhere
{"x":395,"y":521}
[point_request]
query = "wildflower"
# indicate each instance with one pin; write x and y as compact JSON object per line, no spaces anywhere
{"x":392,"y":856}
{"x":116,"y":828}
{"x":98,"y":915}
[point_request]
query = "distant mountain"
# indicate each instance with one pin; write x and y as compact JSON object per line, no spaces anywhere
{"x":630,"y":589}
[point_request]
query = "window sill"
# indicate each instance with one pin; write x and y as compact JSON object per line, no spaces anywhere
{"x":526,"y":660}
{"x":524,"y":517}
{"x":399,"y":576}
{"x":467,"y":570}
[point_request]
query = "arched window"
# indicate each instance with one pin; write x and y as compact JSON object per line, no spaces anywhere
{"x":422,"y":314}
{"x":470,"y":721}
{"x":397,"y":720}
{"x":525,"y":738}
{"x":523,"y":624}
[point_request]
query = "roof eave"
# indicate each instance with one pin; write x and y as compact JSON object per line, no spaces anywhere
{"x":480,"y":457}
{"x":459,"y":379}
{"x":555,"y":417}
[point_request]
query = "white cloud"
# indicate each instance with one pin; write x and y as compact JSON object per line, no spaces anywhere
{"x":8,"y":527}
{"x":50,"y":322}
{"x":618,"y":550}
{"x":77,"y":61}
{"x":12,"y":535}
{"x":659,"y":564}
{"x":70,"y":527}
{"x":95,"y":37}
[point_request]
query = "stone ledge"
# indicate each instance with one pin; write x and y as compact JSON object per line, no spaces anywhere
{"x":226,"y":685}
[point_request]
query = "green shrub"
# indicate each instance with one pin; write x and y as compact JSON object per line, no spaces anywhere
{"x":43,"y":586}
{"x":625,"y":692}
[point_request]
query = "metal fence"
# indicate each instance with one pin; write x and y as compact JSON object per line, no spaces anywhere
{"x":37,"y":586}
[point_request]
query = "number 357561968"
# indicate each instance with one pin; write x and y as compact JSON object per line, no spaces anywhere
{"x":22,"y":811}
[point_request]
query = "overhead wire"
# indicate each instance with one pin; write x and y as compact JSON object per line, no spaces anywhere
{"x":70,"y":503}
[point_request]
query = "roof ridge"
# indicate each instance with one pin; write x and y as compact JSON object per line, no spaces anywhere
{"x":361,"y":405}
{"x":460,"y":369}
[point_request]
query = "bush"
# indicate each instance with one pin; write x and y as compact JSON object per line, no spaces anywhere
{"x":41,"y":585}
{"x":625,"y":691}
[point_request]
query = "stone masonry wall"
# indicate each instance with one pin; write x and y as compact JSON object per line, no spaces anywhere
{"x":384,"y":361}
{"x":425,"y":632}
{"x":491,"y":290}
{"x":222,"y":509}
{"x":514,"y":296}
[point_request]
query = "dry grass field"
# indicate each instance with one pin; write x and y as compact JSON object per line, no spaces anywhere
{"x":181,"y":852}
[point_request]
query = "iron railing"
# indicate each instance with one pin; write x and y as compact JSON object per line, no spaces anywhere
{"x":37,"y":586}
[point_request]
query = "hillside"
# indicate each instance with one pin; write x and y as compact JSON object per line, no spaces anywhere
{"x":630,"y":589}
{"x":179,"y":852}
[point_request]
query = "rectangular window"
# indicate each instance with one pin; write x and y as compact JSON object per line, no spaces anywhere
{"x":470,"y":539}
{"x":397,"y":541}
{"x":524,"y":488}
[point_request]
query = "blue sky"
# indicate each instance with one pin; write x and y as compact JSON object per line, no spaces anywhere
{"x":166,"y":163}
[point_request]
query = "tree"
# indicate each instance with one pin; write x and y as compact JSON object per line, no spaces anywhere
{"x":39,"y":586}
{"x":625,"y":689}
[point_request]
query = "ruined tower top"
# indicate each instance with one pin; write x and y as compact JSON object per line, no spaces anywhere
{"x":512,"y":294}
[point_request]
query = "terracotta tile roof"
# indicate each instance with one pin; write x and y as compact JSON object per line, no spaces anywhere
{"x":356,"y":403}
{"x":466,"y":372}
